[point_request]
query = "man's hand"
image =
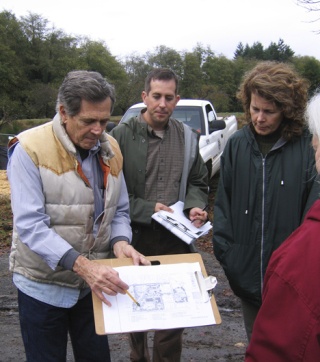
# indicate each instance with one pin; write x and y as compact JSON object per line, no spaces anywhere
{"x":100,"y":278}
{"x":198,"y":216}
{"x":122,"y":249}
{"x":163,"y":207}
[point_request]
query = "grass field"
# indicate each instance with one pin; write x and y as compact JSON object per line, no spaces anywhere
{"x":5,"y":212}
{"x":21,"y":125}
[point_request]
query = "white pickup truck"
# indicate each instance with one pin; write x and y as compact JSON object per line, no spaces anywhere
{"x":200,"y":115}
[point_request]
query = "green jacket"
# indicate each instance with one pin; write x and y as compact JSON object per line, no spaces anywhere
{"x":133,"y":141}
{"x":259,"y":203}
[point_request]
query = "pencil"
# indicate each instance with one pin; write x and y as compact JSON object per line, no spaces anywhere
{"x":132,"y":298}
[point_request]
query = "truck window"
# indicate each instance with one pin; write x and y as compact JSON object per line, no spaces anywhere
{"x":191,"y":116}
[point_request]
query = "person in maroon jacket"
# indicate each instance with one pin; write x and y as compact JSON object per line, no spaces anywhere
{"x":287,"y":327}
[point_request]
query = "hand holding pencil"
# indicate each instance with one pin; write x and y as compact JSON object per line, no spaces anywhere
{"x":198,"y":216}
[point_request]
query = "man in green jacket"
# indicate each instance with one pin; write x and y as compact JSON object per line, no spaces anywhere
{"x":162,"y":165}
{"x":267,"y":180}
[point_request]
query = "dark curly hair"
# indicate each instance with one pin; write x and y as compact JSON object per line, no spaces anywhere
{"x":280,"y":84}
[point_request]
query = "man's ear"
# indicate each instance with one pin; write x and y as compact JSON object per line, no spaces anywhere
{"x":63,"y":113}
{"x":143,"y":96}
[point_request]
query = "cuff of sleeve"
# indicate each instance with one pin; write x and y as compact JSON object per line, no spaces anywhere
{"x":118,"y":238}
{"x":68,"y":259}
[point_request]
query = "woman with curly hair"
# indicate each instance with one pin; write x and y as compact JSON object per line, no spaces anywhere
{"x":289,"y":330}
{"x":266,"y":180}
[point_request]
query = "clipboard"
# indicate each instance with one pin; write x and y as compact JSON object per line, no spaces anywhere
{"x":163,"y":259}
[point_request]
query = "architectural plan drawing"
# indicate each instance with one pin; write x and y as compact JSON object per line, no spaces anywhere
{"x":168,"y":295}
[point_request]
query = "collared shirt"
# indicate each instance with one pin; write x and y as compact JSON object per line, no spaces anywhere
{"x":163,"y":181}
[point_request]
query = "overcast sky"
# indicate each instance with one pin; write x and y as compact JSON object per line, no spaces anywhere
{"x":133,"y":26}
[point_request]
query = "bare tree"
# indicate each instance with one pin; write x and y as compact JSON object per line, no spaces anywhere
{"x":311,"y":6}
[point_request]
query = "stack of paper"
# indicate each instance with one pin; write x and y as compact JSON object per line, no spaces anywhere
{"x":179,"y":225}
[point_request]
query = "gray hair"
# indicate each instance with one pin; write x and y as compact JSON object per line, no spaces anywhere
{"x":81,"y":85}
{"x":312,"y":114}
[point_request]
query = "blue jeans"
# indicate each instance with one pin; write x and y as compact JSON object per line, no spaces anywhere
{"x":45,"y":330}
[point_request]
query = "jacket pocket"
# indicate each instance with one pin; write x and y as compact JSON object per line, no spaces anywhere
{"x":241,"y":264}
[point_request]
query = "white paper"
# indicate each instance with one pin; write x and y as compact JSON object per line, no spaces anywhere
{"x":169,"y":297}
{"x":180,"y":225}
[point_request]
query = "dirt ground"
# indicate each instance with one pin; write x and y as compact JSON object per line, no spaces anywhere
{"x":223,"y":342}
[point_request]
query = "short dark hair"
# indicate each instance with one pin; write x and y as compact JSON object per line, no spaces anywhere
{"x":160,"y":74}
{"x":83,"y":84}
